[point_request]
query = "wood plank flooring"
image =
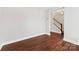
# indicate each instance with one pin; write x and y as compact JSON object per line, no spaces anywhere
{"x":54,"y":42}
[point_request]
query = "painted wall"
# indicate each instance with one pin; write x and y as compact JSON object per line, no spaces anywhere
{"x":16,"y":23}
{"x":72,"y":24}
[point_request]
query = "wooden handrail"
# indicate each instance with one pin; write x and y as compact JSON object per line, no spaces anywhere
{"x":56,"y":21}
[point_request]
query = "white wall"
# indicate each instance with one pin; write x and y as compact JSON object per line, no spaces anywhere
{"x":16,"y":23}
{"x":72,"y":24}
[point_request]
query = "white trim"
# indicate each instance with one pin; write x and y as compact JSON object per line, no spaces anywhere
{"x":22,"y":39}
{"x":71,"y":41}
{"x":0,"y":47}
{"x":48,"y":33}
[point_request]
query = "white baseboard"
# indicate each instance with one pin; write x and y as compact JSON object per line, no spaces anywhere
{"x":48,"y":33}
{"x":71,"y":41}
{"x":1,"y":46}
{"x":22,"y":39}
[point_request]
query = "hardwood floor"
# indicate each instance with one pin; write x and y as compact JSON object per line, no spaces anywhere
{"x":57,"y":44}
{"x":54,"y":42}
{"x":35,"y":43}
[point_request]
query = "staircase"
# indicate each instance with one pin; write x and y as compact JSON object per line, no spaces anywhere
{"x":59,"y":26}
{"x":58,"y":19}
